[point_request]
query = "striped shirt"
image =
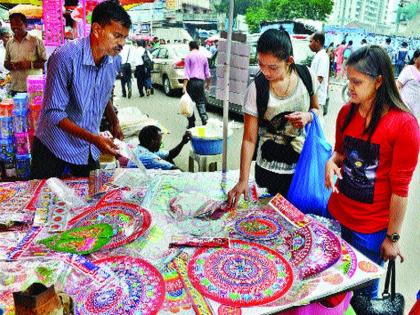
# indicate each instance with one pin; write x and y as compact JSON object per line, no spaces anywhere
{"x":78,"y":90}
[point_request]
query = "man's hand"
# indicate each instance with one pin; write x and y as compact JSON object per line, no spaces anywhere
{"x":21,"y":65}
{"x":186,"y":137}
{"x":105,"y":145}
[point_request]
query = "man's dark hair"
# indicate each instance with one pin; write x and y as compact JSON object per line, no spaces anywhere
{"x":319,"y":36}
{"x":148,"y":134}
{"x":350,"y":42}
{"x":364,"y":41}
{"x":193,"y":45}
{"x":108,"y":11}
{"x":20,"y":16}
{"x":388,"y":40}
{"x":404,"y":44}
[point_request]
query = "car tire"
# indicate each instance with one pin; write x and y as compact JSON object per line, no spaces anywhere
{"x":167,"y":86}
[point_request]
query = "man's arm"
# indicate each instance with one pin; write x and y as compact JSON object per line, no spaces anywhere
{"x":175,"y":151}
{"x":187,"y":73}
{"x":105,"y":145}
{"x":114,"y":123}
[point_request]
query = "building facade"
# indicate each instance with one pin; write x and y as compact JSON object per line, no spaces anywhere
{"x":370,"y":14}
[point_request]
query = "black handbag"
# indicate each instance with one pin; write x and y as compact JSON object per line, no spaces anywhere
{"x":390,"y":303}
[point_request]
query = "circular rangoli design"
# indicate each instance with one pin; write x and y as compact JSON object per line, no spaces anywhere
{"x":246,"y":274}
{"x":258,"y":227}
{"x":144,"y":293}
{"x":129,"y":221}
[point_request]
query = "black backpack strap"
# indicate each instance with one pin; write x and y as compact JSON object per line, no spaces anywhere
{"x":306,"y":77}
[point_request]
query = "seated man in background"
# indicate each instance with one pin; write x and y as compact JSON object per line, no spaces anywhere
{"x":149,"y":153}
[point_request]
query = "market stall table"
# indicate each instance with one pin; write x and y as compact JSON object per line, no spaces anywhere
{"x":277,"y":258}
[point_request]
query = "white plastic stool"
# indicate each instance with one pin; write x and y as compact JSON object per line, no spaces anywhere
{"x":205,"y":162}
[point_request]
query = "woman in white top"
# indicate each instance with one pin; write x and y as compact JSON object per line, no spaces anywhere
{"x":408,"y":84}
{"x":276,"y":109}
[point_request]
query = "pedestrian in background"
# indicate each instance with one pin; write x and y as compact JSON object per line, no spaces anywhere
{"x":5,"y":34}
{"x":320,"y":67}
{"x":408,"y":84}
{"x":375,"y":155}
{"x":401,"y":58}
{"x":340,"y":59}
{"x":25,"y":54}
{"x":126,"y":74}
{"x":197,"y":78}
{"x":144,"y":68}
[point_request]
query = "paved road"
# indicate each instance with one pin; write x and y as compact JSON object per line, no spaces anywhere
{"x":165,"y":110}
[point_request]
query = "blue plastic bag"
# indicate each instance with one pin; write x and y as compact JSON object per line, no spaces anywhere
{"x":307,"y":190}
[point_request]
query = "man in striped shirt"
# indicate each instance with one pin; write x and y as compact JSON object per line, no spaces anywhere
{"x":80,"y":79}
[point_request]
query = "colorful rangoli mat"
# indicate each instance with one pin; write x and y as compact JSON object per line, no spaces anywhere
{"x":129,"y":221}
{"x":142,"y":289}
{"x":246,"y":274}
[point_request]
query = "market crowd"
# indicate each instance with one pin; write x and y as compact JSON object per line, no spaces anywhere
{"x":377,"y":134}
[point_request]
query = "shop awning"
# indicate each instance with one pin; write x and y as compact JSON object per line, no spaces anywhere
{"x":30,"y":11}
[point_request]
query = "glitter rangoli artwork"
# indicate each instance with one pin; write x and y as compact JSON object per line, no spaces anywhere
{"x":258,"y":227}
{"x":129,"y":221}
{"x":142,"y":289}
{"x":246,"y":274}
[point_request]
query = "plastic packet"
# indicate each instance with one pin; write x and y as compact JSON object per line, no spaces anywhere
{"x":125,"y":151}
{"x":65,"y":193}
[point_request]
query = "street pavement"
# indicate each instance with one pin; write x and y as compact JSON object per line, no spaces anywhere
{"x":165,"y":110}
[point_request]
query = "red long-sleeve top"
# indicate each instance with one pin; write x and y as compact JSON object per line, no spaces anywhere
{"x":373,"y":171}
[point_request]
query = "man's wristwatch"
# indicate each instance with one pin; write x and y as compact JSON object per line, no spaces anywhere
{"x":394,"y":237}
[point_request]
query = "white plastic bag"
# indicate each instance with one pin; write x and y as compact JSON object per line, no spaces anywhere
{"x":186,"y":107}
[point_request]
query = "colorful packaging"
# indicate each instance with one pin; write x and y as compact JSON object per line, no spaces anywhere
{"x":6,"y":127}
{"x":20,"y":123}
{"x":36,"y":87}
{"x":6,"y":107}
{"x":22,"y":143}
{"x":21,"y":101}
{"x":33,"y":116}
{"x":7,"y":150}
{"x":23,"y":166}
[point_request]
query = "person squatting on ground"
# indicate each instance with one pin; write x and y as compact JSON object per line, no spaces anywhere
{"x":149,"y":149}
{"x":375,"y":155}
{"x":278,"y":103}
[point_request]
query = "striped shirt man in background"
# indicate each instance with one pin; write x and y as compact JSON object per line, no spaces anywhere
{"x":80,"y":79}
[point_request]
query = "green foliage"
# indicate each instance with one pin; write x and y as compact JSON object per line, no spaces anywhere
{"x":272,"y":10}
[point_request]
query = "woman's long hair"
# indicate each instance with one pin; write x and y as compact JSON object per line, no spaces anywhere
{"x":374,"y":61}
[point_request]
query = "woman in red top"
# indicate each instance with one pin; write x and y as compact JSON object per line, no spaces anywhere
{"x":376,"y":152}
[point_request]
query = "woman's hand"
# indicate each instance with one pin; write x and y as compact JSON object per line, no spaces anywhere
{"x":332,"y":169}
{"x":233,"y":196}
{"x":299,"y":119}
{"x":390,"y":250}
